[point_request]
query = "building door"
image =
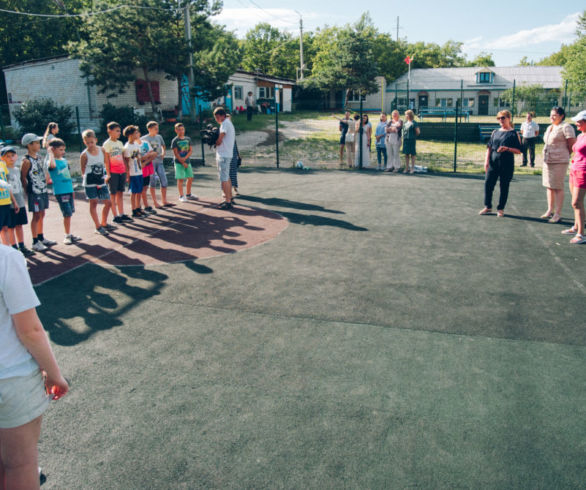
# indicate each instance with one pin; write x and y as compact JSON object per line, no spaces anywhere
{"x":423,"y":101}
{"x":483,"y":105}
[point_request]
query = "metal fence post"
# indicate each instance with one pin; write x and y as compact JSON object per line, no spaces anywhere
{"x":203,"y":156}
{"x":456,"y":138}
{"x":361,"y":135}
{"x":276,"y":95}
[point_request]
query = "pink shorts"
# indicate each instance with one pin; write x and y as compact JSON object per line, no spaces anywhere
{"x":578,"y":178}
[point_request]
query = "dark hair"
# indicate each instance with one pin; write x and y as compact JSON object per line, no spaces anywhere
{"x":128,"y":130}
{"x":219,"y":111}
{"x":112,"y":125}
{"x":559,"y":111}
{"x":366,"y":116}
{"x":356,"y":117}
{"x":56,"y":143}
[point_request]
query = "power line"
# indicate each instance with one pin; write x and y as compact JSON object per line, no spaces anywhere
{"x":280,"y":18}
{"x":89,"y":14}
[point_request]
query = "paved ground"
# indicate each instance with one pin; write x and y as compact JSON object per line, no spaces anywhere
{"x":387,"y":338}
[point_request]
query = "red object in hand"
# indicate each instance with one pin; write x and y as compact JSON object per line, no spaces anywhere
{"x":56,"y":392}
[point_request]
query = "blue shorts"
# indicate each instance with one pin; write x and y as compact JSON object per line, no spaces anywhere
{"x":136,"y":184}
{"x":224,"y":168}
{"x":97,"y":192}
{"x":38,"y":202}
{"x":159,"y":172}
{"x":66,"y":203}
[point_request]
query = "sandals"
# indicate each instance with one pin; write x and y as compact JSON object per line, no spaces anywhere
{"x":570,"y":231}
{"x":556,"y":218}
{"x":578,"y":240}
{"x":500,"y":213}
{"x":485,"y":211}
{"x":546,"y":215}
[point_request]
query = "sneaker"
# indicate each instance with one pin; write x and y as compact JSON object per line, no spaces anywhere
{"x":182,"y":199}
{"x":117,"y":219}
{"x":68,"y":240}
{"x":136,"y":214}
{"x":76,"y":238}
{"x":225,"y":205}
{"x":27,"y":252}
{"x":48,"y":243}
{"x":125,"y":218}
{"x":101,"y":231}
{"x":149,"y":210}
{"x":192,"y":197}
{"x":110,"y":227}
{"x":39,"y":247}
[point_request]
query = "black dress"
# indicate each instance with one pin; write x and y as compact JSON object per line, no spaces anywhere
{"x":501,"y":166}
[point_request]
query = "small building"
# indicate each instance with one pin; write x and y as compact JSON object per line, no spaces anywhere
{"x":480,"y":88}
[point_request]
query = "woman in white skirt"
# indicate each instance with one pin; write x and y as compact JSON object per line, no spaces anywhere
{"x":393,"y":142}
{"x":366,"y":135}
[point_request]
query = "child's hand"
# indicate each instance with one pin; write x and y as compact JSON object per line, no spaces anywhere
{"x":16,"y":208}
{"x":56,"y":388}
{"x":49,"y":181}
{"x":184,"y":165}
{"x":127,"y":178}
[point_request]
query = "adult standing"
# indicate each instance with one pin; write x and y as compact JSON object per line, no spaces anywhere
{"x":393,"y":142}
{"x":24,"y":353}
{"x":410,"y":133}
{"x":250,"y":106}
{"x":559,"y":138}
{"x":380,"y":136}
{"x":350,"y":145}
{"x":343,"y":127}
{"x":529,"y":134}
{"x":224,"y":154}
{"x":366,"y":135}
{"x":499,"y":163}
{"x":578,"y":181}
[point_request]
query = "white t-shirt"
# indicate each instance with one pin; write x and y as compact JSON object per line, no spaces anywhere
{"x":16,"y":295}
{"x":133,"y":152}
{"x":529,"y":129}
{"x":226,"y":149}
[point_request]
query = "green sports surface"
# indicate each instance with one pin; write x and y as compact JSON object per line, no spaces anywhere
{"x":388,"y":338}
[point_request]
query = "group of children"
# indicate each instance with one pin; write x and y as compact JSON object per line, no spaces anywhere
{"x":106,"y":170}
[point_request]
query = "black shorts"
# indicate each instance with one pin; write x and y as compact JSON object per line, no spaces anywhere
{"x":20,"y":218}
{"x":146,"y":181}
{"x":5,"y":216}
{"x":117,"y":183}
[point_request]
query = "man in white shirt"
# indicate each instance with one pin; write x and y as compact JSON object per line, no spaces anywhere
{"x":250,"y":106}
{"x":529,"y":134}
{"x":224,"y":154}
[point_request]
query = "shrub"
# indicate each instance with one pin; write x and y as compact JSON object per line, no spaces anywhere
{"x":34,"y":115}
{"x":124,"y":116}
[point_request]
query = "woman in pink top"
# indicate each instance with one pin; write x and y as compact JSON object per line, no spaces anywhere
{"x":578,"y":181}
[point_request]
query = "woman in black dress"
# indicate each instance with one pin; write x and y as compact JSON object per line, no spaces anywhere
{"x":502,"y":147}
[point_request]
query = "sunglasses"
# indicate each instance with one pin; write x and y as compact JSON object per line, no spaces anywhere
{"x":502,"y":118}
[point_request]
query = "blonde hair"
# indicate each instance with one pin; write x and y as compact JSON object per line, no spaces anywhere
{"x":410,"y":114}
{"x":395,"y":112}
{"x":50,"y":127}
{"x":504,"y":113}
{"x":88,"y":133}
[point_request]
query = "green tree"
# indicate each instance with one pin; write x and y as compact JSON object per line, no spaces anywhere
{"x":390,"y":56}
{"x":345,"y":59}
{"x":482,"y":59}
{"x":431,"y":55}
{"x":575,"y":67}
{"x":530,"y":98}
{"x":265,"y":50}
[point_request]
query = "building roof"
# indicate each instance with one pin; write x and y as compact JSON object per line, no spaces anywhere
{"x":450,"y":78}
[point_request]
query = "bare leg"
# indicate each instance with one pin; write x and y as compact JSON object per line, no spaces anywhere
{"x":188,"y":185}
{"x":145,"y":200}
{"x":550,"y":201}
{"x":113,"y":202}
{"x":164,"y":195}
{"x":94,"y":212}
{"x":227,"y":189}
{"x":19,"y":457}
{"x":120,"y":202}
{"x":578,"y":205}
{"x":180,"y":186}
{"x":19,"y":234}
{"x":154,"y":197}
{"x":559,"y":200}
{"x":35,"y":224}
{"x":4,"y":235}
{"x":341,"y":154}
{"x":105,"y":212}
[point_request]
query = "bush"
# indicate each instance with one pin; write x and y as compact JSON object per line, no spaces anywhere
{"x":34,"y":115}
{"x":125,"y":116}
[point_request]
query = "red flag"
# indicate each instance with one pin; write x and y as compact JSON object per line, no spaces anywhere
{"x":408,"y":60}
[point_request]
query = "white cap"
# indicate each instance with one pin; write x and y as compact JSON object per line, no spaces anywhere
{"x":581,"y":116}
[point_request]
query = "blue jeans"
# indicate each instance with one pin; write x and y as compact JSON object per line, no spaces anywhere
{"x":381,"y":150}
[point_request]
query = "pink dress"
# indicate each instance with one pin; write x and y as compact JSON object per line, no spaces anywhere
{"x":578,"y":168}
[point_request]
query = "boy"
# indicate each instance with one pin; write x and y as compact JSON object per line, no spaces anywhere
{"x":6,"y":201}
{"x":18,"y":212}
{"x":116,"y":170}
{"x":181,"y":146}
{"x":134,"y":161}
{"x":33,"y":178}
{"x":147,"y":172}
{"x":224,"y":154}
{"x":158,"y":145}
{"x":93,"y":169}
{"x":62,"y":186}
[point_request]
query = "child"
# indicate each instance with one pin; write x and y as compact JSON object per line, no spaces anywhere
{"x":32,"y":175}
{"x":50,"y":133}
{"x":18,"y":212}
{"x":146,"y":153}
{"x":116,"y":170}
{"x":157,"y":144}
{"x":62,"y":186}
{"x":134,"y":161}
{"x":92,"y":162}
{"x":181,"y":146}
{"x":6,"y":201}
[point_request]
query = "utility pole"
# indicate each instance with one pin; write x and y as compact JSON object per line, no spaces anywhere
{"x":301,"y":64}
{"x":187,"y":17}
{"x":397,"y":28}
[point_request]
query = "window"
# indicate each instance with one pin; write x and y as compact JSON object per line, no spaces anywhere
{"x":484,"y":77}
{"x":355,"y":96}
{"x":266,"y":92}
{"x":142,"y":92}
{"x":238,"y":92}
{"x":402,"y":102}
{"x":470,"y":102}
{"x":450,"y":102}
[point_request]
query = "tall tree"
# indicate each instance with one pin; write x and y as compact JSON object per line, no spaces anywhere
{"x":482,"y":59}
{"x":575,"y":66}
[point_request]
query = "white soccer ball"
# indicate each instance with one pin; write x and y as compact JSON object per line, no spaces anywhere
{"x":299,"y":164}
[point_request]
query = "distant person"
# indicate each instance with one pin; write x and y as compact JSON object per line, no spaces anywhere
{"x":343,"y":127}
{"x":182,"y":149}
{"x":25,"y":359}
{"x":157,"y":144}
{"x":365,"y":128}
{"x":380,"y":136}
{"x":558,"y":140}
{"x":224,"y":154}
{"x":578,"y":181}
{"x":50,"y":133}
{"x":250,"y":103}
{"x":350,"y":141}
{"x":499,"y":163}
{"x":529,"y":134}
{"x":34,"y":181}
{"x":410,"y":133}
{"x":393,"y":142}
{"x":62,"y":186}
{"x":95,"y":181}
{"x":116,"y":171}
{"x":7,"y":201}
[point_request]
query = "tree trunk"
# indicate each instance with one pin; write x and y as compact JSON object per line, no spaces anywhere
{"x":150,"y":89}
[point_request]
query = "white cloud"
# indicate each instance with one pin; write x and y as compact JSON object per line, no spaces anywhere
{"x":241,"y":20}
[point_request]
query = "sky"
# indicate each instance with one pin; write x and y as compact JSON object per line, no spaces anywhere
{"x":509,"y":30}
